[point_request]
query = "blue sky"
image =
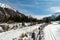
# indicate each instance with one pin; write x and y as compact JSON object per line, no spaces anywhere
{"x":35,"y":7}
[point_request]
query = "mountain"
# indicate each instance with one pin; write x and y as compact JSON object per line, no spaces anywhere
{"x":53,"y":17}
{"x":6,"y":6}
{"x":8,"y":13}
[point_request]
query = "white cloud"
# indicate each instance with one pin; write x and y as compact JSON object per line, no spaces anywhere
{"x":54,"y":9}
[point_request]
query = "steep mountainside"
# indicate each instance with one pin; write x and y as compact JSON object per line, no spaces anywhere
{"x":8,"y":13}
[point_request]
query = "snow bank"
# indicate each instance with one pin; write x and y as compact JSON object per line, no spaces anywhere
{"x":55,"y":22}
{"x":9,"y":35}
{"x":52,"y":32}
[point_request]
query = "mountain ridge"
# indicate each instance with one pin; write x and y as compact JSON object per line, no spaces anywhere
{"x":7,"y":14}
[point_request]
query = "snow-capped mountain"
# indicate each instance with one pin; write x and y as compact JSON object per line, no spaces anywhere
{"x":7,"y":12}
{"x":55,"y":15}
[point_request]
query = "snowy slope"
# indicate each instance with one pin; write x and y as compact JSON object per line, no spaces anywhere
{"x":16,"y":33}
{"x":52,"y":32}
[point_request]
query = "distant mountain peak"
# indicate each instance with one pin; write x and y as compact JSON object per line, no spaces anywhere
{"x":56,"y":14}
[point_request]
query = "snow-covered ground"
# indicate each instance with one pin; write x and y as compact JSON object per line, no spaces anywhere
{"x":52,"y":32}
{"x":55,"y":22}
{"x":11,"y":26}
{"x":49,"y":32}
{"x":10,"y":35}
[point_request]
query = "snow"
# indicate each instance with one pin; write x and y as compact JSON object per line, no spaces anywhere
{"x":9,"y":35}
{"x":54,"y":22}
{"x":6,"y":6}
{"x":52,"y":32}
{"x":56,"y":14}
{"x":1,"y":29}
{"x":14,"y":24}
